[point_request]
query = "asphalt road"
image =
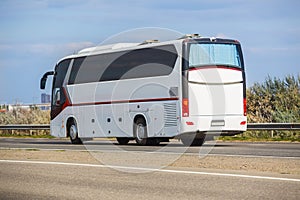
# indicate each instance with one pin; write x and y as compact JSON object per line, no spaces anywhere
{"x":61,"y":181}
{"x":31,"y":177}
{"x":288,"y":150}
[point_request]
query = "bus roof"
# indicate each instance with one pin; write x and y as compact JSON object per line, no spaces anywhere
{"x":148,"y":43}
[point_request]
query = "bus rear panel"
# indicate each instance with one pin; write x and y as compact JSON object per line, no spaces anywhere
{"x":214,"y":97}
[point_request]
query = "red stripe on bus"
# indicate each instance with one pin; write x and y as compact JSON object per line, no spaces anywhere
{"x":67,"y":102}
{"x":124,"y":101}
{"x":215,"y":67}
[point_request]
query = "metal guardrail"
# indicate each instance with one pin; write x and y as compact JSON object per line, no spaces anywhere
{"x":273,"y":126}
{"x":250,"y":126}
{"x":25,"y":127}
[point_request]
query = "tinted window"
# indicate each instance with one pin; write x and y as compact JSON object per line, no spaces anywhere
{"x":137,"y":63}
{"x":58,"y":96}
{"x":60,"y":73}
{"x":142,"y":63}
{"x":75,"y":68}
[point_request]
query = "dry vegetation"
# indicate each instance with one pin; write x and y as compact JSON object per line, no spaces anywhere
{"x":20,"y":116}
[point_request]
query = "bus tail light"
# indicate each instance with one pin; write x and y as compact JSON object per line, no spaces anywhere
{"x":245,"y":107}
{"x":185,"y":107}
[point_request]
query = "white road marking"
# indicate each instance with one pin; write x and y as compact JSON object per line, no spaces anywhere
{"x":152,"y":170}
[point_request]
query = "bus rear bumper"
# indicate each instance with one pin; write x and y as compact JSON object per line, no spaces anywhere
{"x":214,"y":125}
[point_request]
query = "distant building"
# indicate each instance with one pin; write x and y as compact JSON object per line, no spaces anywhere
{"x":45,"y":98}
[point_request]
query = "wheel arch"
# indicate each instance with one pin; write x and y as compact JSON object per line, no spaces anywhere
{"x":69,"y":121}
{"x":143,"y":116}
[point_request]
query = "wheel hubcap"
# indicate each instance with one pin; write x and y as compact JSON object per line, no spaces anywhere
{"x":73,"y":132}
{"x":140,"y":132}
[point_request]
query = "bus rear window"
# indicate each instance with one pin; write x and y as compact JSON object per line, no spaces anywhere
{"x":214,"y":54}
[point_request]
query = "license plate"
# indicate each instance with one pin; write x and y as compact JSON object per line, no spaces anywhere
{"x":217,"y":123}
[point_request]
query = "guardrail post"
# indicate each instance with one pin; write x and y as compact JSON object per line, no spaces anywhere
{"x":272,"y":133}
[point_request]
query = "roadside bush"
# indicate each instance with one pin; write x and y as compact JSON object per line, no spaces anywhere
{"x":274,"y":101}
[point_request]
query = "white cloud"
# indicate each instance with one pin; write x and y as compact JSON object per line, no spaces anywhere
{"x":41,"y":48}
{"x":142,"y":34}
{"x":270,"y":50}
{"x":6,"y":47}
{"x":222,"y":35}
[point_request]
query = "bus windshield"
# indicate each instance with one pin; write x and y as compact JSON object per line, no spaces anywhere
{"x":203,"y":54}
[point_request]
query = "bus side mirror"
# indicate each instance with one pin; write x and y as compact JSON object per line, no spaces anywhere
{"x":44,"y":79}
{"x":43,"y":83}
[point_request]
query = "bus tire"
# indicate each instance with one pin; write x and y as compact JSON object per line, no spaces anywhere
{"x":153,"y":141}
{"x":140,"y":131}
{"x":122,"y":140}
{"x":191,"y":140}
{"x":198,"y":142}
{"x":73,"y":133}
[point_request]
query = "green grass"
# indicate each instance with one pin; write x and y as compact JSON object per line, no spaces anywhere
{"x":61,"y":150}
{"x":256,"y":139}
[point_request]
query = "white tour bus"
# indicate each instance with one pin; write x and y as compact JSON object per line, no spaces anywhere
{"x":150,"y":92}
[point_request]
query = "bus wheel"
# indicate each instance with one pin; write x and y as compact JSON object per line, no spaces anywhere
{"x":122,"y":140}
{"x":198,"y":142}
{"x":190,"y":140}
{"x":140,"y":131}
{"x":73,"y":132}
{"x":153,"y":141}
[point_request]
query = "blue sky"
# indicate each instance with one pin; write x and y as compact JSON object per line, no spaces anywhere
{"x":35,"y":34}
